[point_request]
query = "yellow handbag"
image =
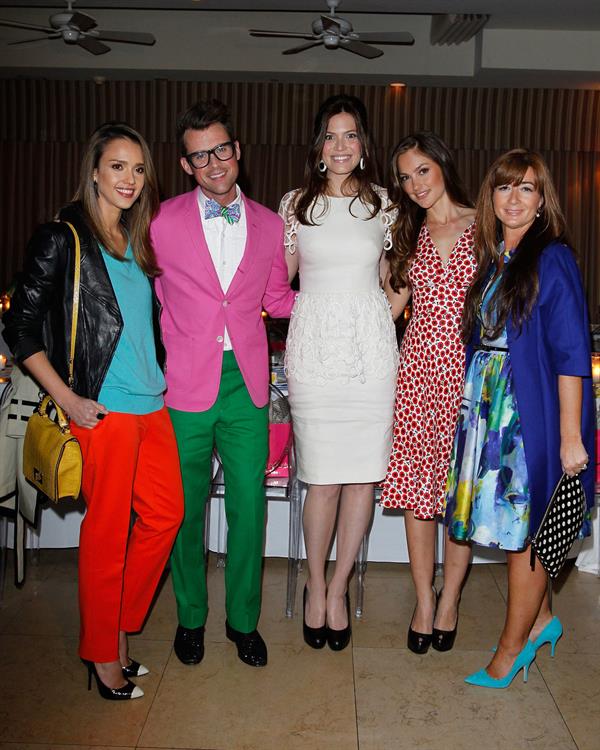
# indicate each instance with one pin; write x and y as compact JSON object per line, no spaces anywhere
{"x":52,"y":459}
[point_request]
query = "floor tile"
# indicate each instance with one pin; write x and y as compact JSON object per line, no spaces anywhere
{"x":498,"y":573}
{"x":47,"y":607}
{"x":579,"y":612}
{"x":573,"y":680}
{"x":390,"y":601}
{"x":406,"y":702}
{"x":162,"y":618}
{"x":302,"y":699}
{"x":44,"y":569}
{"x":53,"y":746}
{"x":43,"y":696}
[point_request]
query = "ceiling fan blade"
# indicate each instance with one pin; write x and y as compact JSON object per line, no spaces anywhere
{"x":35,"y":39}
{"x":288,"y":34}
{"x":364,"y":50}
{"x":93,"y":45}
{"x":83,"y":22}
{"x":129,"y":37}
{"x":301,"y":48}
{"x":29,"y":26}
{"x":388,"y":37}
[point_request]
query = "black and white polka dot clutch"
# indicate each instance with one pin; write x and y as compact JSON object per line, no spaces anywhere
{"x":560,"y":525}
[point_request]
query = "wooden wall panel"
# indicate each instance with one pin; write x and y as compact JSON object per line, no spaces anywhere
{"x":44,"y":123}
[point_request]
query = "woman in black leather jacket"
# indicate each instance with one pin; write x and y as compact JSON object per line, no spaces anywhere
{"x":115,"y":401}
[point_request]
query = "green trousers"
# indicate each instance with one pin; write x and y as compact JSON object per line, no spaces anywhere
{"x":239,"y":431}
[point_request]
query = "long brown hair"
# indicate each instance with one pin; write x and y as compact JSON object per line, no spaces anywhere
{"x":315,"y":181}
{"x":137,"y":219}
{"x":410,"y":216}
{"x":518,"y":289}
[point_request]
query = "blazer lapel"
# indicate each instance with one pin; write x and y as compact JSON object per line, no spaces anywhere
{"x":197,"y":240}
{"x":252,"y":239}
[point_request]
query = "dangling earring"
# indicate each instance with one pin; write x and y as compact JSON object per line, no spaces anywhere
{"x":322,"y":166}
{"x":361,"y":163}
{"x":538,"y":213}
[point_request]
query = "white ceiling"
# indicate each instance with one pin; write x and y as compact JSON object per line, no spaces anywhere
{"x":546,"y":43}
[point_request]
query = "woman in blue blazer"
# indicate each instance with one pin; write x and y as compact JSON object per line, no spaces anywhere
{"x":527,"y":414}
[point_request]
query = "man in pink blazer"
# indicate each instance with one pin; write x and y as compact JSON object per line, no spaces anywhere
{"x":222,"y":262}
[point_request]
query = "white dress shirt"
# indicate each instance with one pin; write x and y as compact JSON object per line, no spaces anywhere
{"x":226,"y":244}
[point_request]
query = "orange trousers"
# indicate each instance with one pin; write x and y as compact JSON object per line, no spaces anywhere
{"x":129,"y":462}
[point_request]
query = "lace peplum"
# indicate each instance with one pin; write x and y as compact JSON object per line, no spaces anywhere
{"x":339,"y":337}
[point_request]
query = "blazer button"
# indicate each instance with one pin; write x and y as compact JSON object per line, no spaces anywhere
{"x":225,"y":302}
{"x":220,"y":339}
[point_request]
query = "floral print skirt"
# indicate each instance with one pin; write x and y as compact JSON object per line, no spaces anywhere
{"x":487,"y":492}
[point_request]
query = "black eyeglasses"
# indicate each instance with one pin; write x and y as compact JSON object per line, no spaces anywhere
{"x":200,"y":159}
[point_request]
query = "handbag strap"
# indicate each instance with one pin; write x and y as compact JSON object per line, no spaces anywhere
{"x":75,"y":312}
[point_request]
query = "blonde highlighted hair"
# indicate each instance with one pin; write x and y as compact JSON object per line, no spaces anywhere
{"x":137,"y":219}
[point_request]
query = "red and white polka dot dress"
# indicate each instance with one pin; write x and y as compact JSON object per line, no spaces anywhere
{"x":430,"y":378}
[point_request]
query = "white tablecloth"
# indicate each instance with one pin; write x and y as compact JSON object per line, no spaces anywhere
{"x":59,"y":527}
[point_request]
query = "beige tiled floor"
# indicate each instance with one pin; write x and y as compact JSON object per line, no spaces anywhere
{"x":376,"y":695}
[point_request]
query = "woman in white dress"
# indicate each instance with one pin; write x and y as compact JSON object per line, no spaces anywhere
{"x":341,"y":354}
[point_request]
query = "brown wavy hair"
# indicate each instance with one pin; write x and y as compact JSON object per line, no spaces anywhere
{"x":137,"y":219}
{"x":315,"y":182}
{"x":517,"y":291}
{"x":410,"y":216}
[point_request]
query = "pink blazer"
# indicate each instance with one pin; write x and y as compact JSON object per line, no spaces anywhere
{"x":196,"y":310}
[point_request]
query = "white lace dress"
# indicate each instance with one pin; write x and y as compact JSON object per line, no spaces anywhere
{"x":341,"y":352}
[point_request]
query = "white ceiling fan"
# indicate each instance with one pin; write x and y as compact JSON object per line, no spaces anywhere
{"x":78,"y":28}
{"x":335,"y":32}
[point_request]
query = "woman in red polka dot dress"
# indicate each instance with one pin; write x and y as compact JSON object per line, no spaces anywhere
{"x":432,"y":260}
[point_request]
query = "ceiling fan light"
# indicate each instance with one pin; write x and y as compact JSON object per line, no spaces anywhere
{"x":331,"y":41}
{"x":70,"y":36}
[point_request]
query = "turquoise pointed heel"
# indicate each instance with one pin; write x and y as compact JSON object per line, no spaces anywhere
{"x":550,"y":634}
{"x":522,"y":662}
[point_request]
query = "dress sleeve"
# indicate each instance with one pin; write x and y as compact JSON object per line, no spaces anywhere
{"x":286,"y":211}
{"x":388,"y":217}
{"x":564,"y":313}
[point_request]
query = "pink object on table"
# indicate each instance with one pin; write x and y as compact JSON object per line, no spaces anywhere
{"x":279,"y":442}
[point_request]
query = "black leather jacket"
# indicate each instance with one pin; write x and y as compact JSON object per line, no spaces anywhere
{"x":39,"y":318}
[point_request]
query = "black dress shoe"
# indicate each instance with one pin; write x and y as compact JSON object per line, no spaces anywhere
{"x":127,"y":692}
{"x":313,"y":637}
{"x":419,"y":643}
{"x":443,"y":640}
{"x":134,"y":669}
{"x":251,"y":648}
{"x":189,"y":644}
{"x":339,"y":639}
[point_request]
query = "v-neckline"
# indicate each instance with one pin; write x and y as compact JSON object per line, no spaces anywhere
{"x":435,"y":248}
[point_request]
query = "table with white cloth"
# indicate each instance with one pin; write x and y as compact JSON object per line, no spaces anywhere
{"x":59,"y":527}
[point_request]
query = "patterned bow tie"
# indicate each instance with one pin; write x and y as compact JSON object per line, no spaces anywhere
{"x":231,"y":214}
